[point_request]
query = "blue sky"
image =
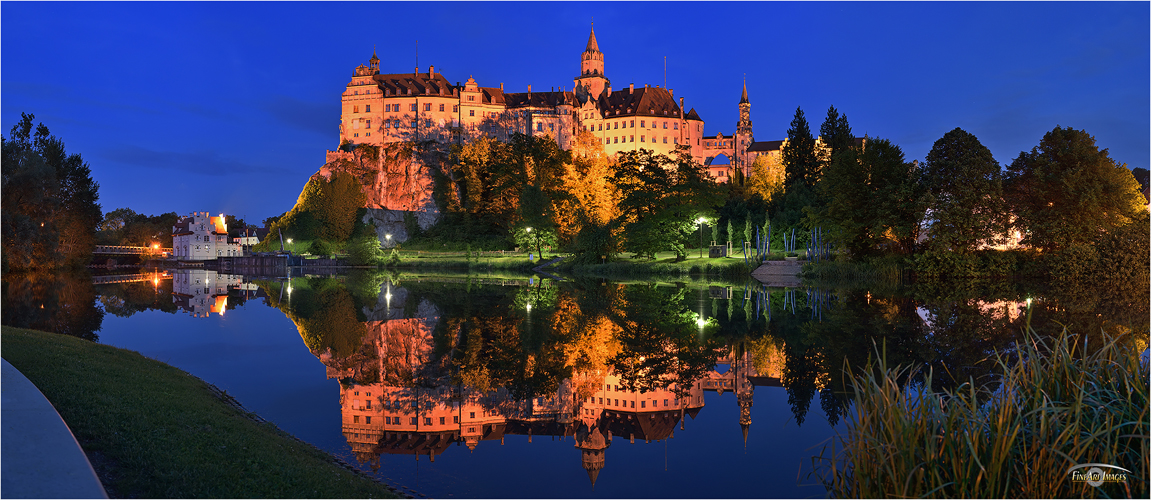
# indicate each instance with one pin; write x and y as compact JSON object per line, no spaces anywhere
{"x":229,"y":107}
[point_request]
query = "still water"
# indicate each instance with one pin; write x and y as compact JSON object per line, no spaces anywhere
{"x":479,"y":386}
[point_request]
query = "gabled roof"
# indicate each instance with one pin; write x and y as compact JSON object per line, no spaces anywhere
{"x":492,"y":95}
{"x":692,"y":115}
{"x":644,"y":101}
{"x":765,"y":146}
{"x":539,"y":99}
{"x":398,"y":84}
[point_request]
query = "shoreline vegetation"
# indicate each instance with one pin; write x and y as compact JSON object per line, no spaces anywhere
{"x":153,"y":431}
{"x":1058,"y":404}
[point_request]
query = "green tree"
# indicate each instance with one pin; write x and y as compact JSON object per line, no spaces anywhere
{"x":836,"y":135}
{"x":1068,"y":191}
{"x":799,"y":159}
{"x":965,"y":189}
{"x":660,"y":199}
{"x":874,"y":197}
{"x":50,"y":209}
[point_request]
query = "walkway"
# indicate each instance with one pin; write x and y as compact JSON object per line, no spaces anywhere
{"x":40,"y":457}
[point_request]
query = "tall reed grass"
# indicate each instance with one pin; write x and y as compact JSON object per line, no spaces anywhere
{"x":1056,"y":407}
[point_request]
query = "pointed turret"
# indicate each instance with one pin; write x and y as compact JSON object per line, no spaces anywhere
{"x":592,"y":67}
{"x":592,"y":45}
{"x":374,"y":62}
{"x":743,"y":98}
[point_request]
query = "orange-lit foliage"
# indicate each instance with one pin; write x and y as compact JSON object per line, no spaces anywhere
{"x":587,"y":179}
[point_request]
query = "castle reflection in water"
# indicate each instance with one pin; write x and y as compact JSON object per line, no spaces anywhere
{"x":396,"y":416}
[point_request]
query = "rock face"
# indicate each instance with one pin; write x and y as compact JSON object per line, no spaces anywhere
{"x":392,"y":222}
{"x":395,"y":182}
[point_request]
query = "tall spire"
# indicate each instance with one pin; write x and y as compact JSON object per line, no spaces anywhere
{"x":743,"y":99}
{"x":592,"y":46}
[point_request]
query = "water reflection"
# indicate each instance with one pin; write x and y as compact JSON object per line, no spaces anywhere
{"x":427,"y":364}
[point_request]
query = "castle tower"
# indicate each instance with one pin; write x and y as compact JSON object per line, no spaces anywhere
{"x":743,"y":138}
{"x":591,"y":68}
{"x":592,"y":443}
{"x":374,"y":63}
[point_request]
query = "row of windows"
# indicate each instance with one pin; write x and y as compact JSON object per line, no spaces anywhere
{"x":631,"y":138}
{"x":642,"y":404}
{"x":393,"y":108}
{"x":626,"y":124}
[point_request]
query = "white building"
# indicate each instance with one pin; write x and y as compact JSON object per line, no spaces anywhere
{"x":202,"y":237}
{"x":201,"y":292}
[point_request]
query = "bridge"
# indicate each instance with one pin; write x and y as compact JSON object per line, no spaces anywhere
{"x":129,"y":278}
{"x":124,"y":250}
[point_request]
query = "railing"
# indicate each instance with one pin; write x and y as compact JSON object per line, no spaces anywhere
{"x":125,"y":250}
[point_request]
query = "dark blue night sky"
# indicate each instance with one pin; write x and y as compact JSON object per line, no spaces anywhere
{"x":228,"y":107}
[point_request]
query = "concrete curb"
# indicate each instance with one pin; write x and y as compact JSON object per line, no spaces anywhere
{"x":40,"y":457}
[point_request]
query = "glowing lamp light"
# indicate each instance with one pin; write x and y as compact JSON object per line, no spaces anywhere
{"x":289,"y":241}
{"x":701,"y":220}
{"x":528,"y":229}
{"x":701,"y":322}
{"x":529,"y":307}
{"x":388,"y":236}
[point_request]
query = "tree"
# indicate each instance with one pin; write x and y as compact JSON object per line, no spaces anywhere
{"x":874,"y":196}
{"x":1068,"y":191}
{"x":965,"y":189}
{"x":767,"y":177}
{"x":836,"y":135}
{"x":799,"y":159}
{"x":50,"y":209}
{"x":660,"y":200}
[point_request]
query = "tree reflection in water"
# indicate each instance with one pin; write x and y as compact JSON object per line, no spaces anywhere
{"x":53,"y":302}
{"x":423,"y":366}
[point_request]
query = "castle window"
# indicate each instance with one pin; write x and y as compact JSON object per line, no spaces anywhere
{"x":387,"y":124}
{"x":675,"y":125}
{"x":427,"y":106}
{"x":675,"y":140}
{"x":631,"y":139}
{"x":665,"y":124}
{"x":601,"y":127}
{"x":388,"y":108}
{"x":388,"y":420}
{"x":642,"y":124}
{"x":427,"y":123}
{"x":455,"y":108}
{"x":643,"y":404}
{"x":665,"y":139}
{"x":427,"y":420}
{"x":616,"y":140}
{"x":367,"y":420}
{"x":369,"y":124}
{"x":368,"y":134}
{"x":396,"y":124}
{"x":552,"y":127}
{"x":355,"y":92}
{"x":355,"y":135}
{"x":471,"y":112}
{"x":641,"y":139}
{"x":633,"y":124}
{"x":415,"y":123}
{"x":355,"y":419}
{"x":633,"y":404}
{"x":413,"y":107}
{"x":441,"y":420}
{"x":441,"y":107}
{"x":455,"y":419}
{"x":355,"y":109}
{"x":617,"y":125}
{"x":472,"y":414}
{"x":471,"y":98}
{"x":539,"y":127}
{"x":368,"y":108}
{"x":413,"y":420}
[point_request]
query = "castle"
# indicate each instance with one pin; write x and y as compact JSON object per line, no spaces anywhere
{"x":381,"y":108}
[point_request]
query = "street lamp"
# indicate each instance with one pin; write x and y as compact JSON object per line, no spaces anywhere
{"x":701,"y":220}
{"x":389,"y":238}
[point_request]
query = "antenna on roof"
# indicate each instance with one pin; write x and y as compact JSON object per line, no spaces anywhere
{"x":417,"y":56}
{"x":665,"y":72}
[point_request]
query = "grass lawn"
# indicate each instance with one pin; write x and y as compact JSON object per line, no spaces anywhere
{"x":154,"y":431}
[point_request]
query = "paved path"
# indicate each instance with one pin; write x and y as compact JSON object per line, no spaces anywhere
{"x":40,"y":458}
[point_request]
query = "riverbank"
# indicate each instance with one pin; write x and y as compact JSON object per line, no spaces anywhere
{"x":663,"y":266}
{"x":154,"y":431}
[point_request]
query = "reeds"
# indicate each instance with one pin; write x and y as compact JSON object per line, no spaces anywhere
{"x":1056,"y":407}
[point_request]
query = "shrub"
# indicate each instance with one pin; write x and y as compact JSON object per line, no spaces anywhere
{"x":1017,"y":440}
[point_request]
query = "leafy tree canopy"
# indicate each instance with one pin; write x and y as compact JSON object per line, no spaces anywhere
{"x":965,"y":189}
{"x":1067,"y":191}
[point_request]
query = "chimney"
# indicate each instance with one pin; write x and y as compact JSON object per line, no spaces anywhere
{"x":501,"y":86}
{"x":431,"y":71}
{"x":417,"y":73}
{"x":631,"y":88}
{"x":671,"y":92}
{"x":529,"y":88}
